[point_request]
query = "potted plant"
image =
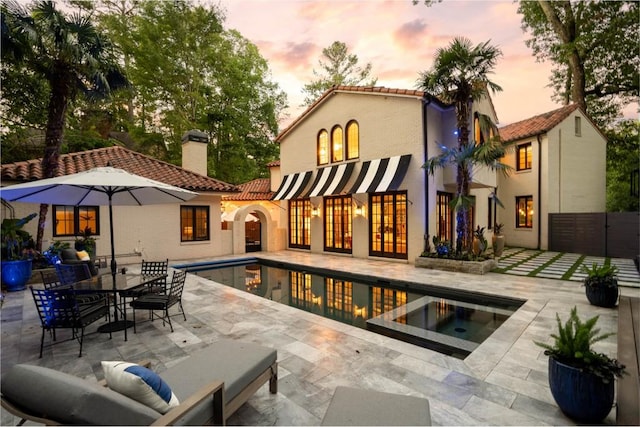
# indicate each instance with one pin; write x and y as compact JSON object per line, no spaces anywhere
{"x":18,"y":251}
{"x":86,"y":243}
{"x":581,"y":380}
{"x":601,"y":284}
{"x":497,"y":240}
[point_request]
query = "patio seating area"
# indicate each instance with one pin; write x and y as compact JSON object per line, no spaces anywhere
{"x":503,"y":382}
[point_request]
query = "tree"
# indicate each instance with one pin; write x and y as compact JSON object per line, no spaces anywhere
{"x":623,"y":152}
{"x":594,"y":48}
{"x":338,"y":68}
{"x":459,"y":76}
{"x":70,"y":55}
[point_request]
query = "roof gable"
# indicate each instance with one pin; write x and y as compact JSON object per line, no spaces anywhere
{"x":370,"y":90}
{"x":536,"y":125}
{"x":123,"y":158}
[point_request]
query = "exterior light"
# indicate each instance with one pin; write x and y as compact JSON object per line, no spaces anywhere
{"x":359,"y":211}
{"x":360,"y":311}
{"x":315,"y":211}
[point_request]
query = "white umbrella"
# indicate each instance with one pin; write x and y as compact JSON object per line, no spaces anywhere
{"x":99,"y":186}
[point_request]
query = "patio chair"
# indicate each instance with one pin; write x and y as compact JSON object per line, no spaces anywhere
{"x":69,"y":256}
{"x":59,"y":309}
{"x":156,"y":302}
{"x":152,"y":268}
{"x":68,"y":274}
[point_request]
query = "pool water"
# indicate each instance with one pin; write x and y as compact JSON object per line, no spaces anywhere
{"x":451,"y":323}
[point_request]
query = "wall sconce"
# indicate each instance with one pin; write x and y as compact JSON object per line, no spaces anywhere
{"x":317,"y":300}
{"x":315,"y":211}
{"x":360,"y":311}
{"x":359,"y":210}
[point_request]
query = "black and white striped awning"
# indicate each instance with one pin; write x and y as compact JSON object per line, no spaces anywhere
{"x":381,"y":175}
{"x":293,"y":185}
{"x":331,"y":180}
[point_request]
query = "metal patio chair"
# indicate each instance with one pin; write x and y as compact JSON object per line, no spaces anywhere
{"x":162,"y":302}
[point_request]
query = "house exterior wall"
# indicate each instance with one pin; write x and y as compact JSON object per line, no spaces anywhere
{"x":150,"y":232}
{"x":568,"y":175}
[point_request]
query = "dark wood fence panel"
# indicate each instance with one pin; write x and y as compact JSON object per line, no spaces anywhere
{"x":623,"y":234}
{"x":615,"y":234}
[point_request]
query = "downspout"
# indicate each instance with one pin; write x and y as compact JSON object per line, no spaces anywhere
{"x":539,"y":198}
{"x":425,"y":134}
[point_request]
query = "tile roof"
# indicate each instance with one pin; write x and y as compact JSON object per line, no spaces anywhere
{"x":273,"y":164}
{"x":535,"y":125}
{"x":380,"y":90}
{"x":123,"y":158}
{"x":258,"y":189}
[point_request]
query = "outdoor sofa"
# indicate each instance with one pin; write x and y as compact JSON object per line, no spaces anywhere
{"x":211,"y":385}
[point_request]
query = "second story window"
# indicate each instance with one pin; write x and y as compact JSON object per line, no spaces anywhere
{"x":523,"y":160}
{"x":323,"y":147}
{"x":578,"y":125}
{"x":337,"y":151}
{"x":353,"y":140}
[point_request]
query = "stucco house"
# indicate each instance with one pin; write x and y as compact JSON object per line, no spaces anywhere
{"x":559,"y":162}
{"x":174,"y":231}
{"x":352,"y":182}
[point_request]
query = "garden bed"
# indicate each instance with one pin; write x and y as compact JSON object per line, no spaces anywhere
{"x":446,"y":264}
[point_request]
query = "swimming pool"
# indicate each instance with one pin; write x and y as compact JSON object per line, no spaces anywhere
{"x":448,"y":321}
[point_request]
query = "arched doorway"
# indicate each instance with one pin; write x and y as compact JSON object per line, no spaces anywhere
{"x":252,"y":233}
{"x":251,"y":229}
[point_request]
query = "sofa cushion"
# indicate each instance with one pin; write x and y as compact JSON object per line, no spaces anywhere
{"x":141,"y":384}
{"x":236,"y":363}
{"x":83,"y":256}
{"x":68,"y":399}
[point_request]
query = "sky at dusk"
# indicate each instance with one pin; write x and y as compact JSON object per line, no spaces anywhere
{"x":397,"y":38}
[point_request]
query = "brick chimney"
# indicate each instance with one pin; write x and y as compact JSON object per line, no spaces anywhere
{"x":194,"y":151}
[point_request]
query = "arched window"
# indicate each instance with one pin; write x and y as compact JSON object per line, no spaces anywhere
{"x":353,"y":140}
{"x":337,"y":150}
{"x":323,"y":147}
{"x":478,"y":138}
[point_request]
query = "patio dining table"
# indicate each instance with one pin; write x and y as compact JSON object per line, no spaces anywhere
{"x":125,"y":283}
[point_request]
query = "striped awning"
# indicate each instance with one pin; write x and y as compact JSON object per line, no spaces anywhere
{"x":293,"y":185}
{"x":381,"y":175}
{"x":331,"y":180}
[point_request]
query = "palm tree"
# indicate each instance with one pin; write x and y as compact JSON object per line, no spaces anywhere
{"x":68,"y":53}
{"x":460,"y":76}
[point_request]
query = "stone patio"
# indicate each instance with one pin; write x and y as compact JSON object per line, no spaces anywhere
{"x":503,"y":382}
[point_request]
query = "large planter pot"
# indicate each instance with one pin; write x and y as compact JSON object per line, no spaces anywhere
{"x":602,"y":296}
{"x":498,"y":245}
{"x":582,"y":396}
{"x":16,"y":274}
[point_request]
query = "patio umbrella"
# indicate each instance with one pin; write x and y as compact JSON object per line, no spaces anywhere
{"x":99,"y":186}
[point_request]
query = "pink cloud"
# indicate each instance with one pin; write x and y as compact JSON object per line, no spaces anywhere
{"x":411,"y":34}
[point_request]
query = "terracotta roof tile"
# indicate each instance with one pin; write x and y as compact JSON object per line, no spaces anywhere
{"x":535,"y":125}
{"x":273,"y":164}
{"x":123,"y":158}
{"x":258,"y":189}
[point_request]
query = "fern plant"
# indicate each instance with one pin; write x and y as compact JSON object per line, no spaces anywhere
{"x":572,"y":346}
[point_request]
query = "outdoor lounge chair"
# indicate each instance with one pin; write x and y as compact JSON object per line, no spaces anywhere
{"x":211,"y":385}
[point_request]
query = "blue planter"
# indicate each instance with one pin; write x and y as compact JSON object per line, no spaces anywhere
{"x":582,"y":396}
{"x":16,"y":274}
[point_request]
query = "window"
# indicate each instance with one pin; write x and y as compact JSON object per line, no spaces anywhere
{"x":323,"y":147}
{"x":477,"y":132}
{"x":388,"y":225}
{"x":353,"y":140}
{"x":339,"y":299}
{"x":385,"y":300}
{"x":337,"y":224}
{"x":490,"y":213}
{"x":194,"y":223}
{"x":524,"y":157}
{"x":300,"y":295}
{"x":74,"y":220}
{"x":578,"y":125}
{"x":444,"y":215}
{"x":337,"y":152}
{"x":524,"y":212}
{"x":299,"y":221}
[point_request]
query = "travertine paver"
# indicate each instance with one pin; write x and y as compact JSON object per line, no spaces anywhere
{"x":503,"y":382}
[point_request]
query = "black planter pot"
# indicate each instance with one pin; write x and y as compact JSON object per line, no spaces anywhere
{"x":602,"y":296}
{"x":582,"y":396}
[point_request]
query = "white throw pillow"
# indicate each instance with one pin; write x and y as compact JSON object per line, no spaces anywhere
{"x":141,"y":384}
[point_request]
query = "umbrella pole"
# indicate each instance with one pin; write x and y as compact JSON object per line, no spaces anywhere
{"x":114,"y":266}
